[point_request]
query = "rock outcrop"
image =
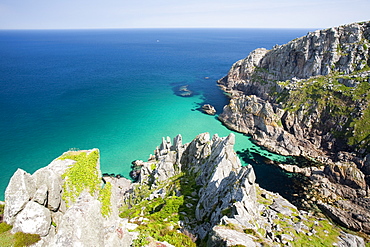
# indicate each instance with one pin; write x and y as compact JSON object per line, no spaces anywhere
{"x":210,"y":110}
{"x":190,"y":194}
{"x":71,"y":215}
{"x":199,"y":191}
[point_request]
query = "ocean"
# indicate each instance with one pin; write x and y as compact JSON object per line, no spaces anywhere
{"x":118,"y":90}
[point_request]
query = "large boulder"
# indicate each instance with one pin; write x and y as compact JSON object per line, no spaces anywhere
{"x":34,"y":219}
{"x":19,"y":191}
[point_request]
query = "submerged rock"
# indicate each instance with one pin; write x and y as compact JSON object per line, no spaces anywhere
{"x":184,"y":91}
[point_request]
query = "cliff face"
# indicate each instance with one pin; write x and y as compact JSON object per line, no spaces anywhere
{"x":199,"y":191}
{"x":307,"y":96}
{"x":193,"y":194}
{"x":310,"y":97}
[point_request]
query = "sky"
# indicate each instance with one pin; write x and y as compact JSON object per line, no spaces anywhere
{"x":87,"y":14}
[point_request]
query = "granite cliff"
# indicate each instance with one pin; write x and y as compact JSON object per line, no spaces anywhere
{"x":193,"y":194}
{"x":310,"y":97}
{"x":198,"y":194}
{"x":307,"y":97}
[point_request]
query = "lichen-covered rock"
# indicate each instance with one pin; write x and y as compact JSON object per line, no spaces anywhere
{"x":19,"y":191}
{"x":82,"y":224}
{"x":34,"y":219}
{"x":35,"y":204}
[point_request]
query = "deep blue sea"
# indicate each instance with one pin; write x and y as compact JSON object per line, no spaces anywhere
{"x":116,"y":90}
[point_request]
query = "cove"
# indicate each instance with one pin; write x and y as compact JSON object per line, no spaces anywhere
{"x":114,"y":90}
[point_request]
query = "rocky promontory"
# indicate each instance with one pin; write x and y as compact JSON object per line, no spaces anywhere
{"x":307,"y":97}
{"x":199,"y":194}
{"x":310,"y":97}
{"x":193,"y":194}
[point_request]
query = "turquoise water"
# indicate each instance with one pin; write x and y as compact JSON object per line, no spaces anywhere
{"x":114,"y":90}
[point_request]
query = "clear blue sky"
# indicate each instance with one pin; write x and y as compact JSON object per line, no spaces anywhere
{"x":74,"y":14}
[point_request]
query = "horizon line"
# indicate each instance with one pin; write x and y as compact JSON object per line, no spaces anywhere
{"x":122,"y":28}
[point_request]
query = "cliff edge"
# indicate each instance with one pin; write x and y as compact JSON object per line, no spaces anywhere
{"x":310,"y":97}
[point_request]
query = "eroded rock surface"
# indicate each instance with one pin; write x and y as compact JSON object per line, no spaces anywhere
{"x":36,"y":204}
{"x":225,"y":207}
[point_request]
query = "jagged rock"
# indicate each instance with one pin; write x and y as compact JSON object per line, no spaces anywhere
{"x":19,"y":191}
{"x":119,"y":186}
{"x":35,"y":201}
{"x":207,"y":108}
{"x":255,"y":82}
{"x":341,"y":217}
{"x":34,"y":218}
{"x":283,"y":206}
{"x":272,"y":100}
{"x":46,"y":176}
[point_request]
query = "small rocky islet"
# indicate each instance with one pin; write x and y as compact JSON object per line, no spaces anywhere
{"x":308,"y":98}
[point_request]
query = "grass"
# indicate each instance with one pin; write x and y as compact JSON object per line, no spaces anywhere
{"x":4,"y":227}
{"x":19,"y":239}
{"x":162,"y":214}
{"x":6,"y":239}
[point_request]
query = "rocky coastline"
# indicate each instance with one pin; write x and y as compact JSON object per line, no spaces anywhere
{"x":192,"y":194}
{"x":310,"y":98}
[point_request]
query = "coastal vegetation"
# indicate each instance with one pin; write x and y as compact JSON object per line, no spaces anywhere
{"x":347,"y":104}
{"x":159,"y":217}
{"x":81,"y":175}
{"x":84,"y":175}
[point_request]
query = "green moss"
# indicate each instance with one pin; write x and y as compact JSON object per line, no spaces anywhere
{"x":4,"y":227}
{"x":142,"y":240}
{"x":105,"y":195}
{"x":22,"y":239}
{"x":81,"y":176}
